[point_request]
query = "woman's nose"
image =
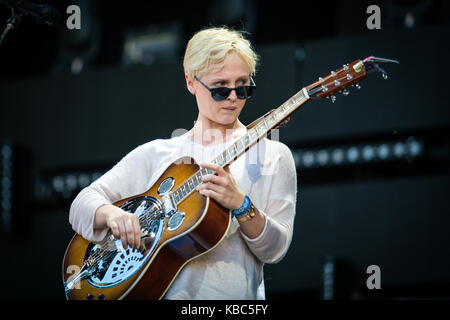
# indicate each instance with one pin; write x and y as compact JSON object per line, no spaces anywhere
{"x":232,"y":96}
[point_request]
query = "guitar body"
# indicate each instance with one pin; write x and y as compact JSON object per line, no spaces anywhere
{"x":204,"y":225}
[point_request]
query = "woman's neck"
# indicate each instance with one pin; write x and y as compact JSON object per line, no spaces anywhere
{"x":211,"y":133}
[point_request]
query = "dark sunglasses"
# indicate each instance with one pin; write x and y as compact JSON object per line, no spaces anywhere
{"x":222,"y":93}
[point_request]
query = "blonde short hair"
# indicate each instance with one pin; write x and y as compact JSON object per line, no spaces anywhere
{"x":208,"y":48}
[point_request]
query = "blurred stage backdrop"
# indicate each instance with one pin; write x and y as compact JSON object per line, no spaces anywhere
{"x":373,"y":167}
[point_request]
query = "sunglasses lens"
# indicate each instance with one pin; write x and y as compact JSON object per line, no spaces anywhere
{"x":244,"y":92}
{"x":220,"y":94}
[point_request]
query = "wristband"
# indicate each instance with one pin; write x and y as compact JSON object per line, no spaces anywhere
{"x":248,"y":215}
{"x":243,"y":209}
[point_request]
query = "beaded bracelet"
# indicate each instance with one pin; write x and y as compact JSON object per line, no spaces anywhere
{"x":243,"y":209}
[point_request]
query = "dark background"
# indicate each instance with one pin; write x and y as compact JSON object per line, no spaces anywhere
{"x":61,"y":125}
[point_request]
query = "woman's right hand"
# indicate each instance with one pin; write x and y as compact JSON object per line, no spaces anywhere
{"x":124,"y":225}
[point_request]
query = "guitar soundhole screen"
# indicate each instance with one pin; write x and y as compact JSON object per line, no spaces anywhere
{"x":126,"y":263}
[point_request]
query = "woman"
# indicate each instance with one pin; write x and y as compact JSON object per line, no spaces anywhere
{"x":261,"y":193}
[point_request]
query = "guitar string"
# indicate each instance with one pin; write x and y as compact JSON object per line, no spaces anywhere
{"x":147,"y":217}
{"x":329,"y":77}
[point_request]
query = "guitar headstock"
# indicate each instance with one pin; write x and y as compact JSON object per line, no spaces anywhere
{"x":347,"y":76}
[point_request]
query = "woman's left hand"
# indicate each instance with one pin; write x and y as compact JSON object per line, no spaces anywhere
{"x":221,"y":187}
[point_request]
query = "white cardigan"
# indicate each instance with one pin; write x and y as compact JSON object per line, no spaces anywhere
{"x":234,"y":268}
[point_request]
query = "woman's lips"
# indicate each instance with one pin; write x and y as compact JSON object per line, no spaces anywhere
{"x":230,"y":108}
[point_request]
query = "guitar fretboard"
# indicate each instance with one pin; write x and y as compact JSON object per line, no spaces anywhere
{"x":244,"y":143}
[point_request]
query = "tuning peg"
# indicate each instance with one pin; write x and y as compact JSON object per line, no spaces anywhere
{"x":345,"y":92}
{"x":385,"y":76}
{"x":333,"y":99}
{"x":358,"y":86}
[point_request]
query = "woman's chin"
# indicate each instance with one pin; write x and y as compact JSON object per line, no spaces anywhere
{"x":227,"y":121}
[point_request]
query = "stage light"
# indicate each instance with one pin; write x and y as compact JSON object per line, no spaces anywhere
{"x":308,"y":159}
{"x":297,"y":159}
{"x":156,"y":43}
{"x":337,"y":156}
{"x":6,"y":183}
{"x":71,"y":182}
{"x":95,"y":176}
{"x":353,"y":154}
{"x":6,"y":186}
{"x":322,"y":157}
{"x":64,"y":185}
{"x":399,"y":149}
{"x":415,"y":148}
{"x":83,"y":180}
{"x":383,"y":151}
{"x":358,"y":153}
{"x":6,"y":193}
{"x":58,"y":184}
{"x":368,"y":153}
{"x":6,"y":205}
{"x":6,"y":151}
{"x":78,"y":50}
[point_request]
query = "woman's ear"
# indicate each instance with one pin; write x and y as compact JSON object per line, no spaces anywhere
{"x":189,"y":84}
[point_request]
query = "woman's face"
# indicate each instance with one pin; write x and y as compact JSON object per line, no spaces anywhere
{"x":234,"y":73}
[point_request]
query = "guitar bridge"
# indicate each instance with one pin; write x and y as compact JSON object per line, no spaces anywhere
{"x":169,"y":205}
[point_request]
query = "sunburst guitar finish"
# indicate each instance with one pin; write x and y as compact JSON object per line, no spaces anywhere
{"x":172,"y":234}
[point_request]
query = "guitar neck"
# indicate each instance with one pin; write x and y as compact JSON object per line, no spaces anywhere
{"x":253,"y":136}
{"x":262,"y":129}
